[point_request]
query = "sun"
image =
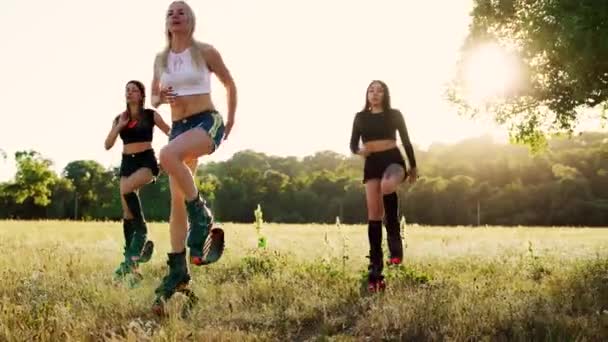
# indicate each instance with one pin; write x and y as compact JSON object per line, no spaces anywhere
{"x":490,"y":73}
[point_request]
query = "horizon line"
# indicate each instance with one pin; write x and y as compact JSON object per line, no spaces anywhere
{"x":486,"y":136}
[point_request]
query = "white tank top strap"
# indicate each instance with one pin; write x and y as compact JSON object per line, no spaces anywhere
{"x":183,"y":75}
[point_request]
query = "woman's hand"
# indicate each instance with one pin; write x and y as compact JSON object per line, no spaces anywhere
{"x":363,"y":152}
{"x":412,"y":175}
{"x":228,"y":128}
{"x":123,"y":120}
{"x":167,"y":95}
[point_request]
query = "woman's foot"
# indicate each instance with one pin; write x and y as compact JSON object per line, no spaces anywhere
{"x":394,"y":261}
{"x":128,"y":270}
{"x":375,"y":279}
{"x":376,"y":285}
{"x":203,"y":247}
{"x":176,"y":280}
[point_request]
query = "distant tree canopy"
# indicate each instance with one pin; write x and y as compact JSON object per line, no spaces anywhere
{"x":474,"y":181}
{"x":93,"y":186}
{"x":562,"y":47}
{"x":34,"y":179}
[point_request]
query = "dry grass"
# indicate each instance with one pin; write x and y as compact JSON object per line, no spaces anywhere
{"x":457,"y":284}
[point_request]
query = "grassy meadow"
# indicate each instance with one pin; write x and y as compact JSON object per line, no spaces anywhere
{"x":457,"y":284}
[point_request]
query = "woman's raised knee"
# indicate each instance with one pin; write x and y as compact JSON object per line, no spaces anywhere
{"x":167,"y":158}
{"x":388,"y":187}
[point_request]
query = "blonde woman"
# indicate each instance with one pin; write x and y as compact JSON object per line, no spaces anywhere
{"x":182,"y":79}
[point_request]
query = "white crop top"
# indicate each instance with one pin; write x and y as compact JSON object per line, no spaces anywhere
{"x":182,"y":74}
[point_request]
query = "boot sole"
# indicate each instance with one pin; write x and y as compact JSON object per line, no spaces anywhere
{"x":375,"y":287}
{"x":394,"y":262}
{"x":158,"y":307}
{"x":213,"y":248}
{"x":147,"y":251}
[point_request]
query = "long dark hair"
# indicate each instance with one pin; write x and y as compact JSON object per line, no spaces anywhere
{"x":386,"y":99}
{"x":142,"y":90}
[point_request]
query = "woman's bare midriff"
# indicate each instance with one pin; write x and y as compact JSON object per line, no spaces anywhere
{"x":185,"y":106}
{"x":379,"y":145}
{"x":136,"y":147}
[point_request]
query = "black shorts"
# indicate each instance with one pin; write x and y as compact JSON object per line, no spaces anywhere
{"x":135,"y":161}
{"x":377,"y":162}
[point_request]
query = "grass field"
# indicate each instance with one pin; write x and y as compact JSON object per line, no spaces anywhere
{"x":458,"y":284}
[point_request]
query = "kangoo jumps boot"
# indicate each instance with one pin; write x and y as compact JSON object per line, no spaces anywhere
{"x":393,"y":229}
{"x":176,"y":280}
{"x":126,"y":266}
{"x":137,"y":250}
{"x":200,"y":220}
{"x":141,"y":249}
{"x":375,"y":280}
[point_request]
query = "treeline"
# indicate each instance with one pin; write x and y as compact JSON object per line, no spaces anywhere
{"x":474,"y":181}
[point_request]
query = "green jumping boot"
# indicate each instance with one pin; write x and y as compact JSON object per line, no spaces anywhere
{"x":176,"y":280}
{"x":125,"y":268}
{"x":140,"y":249}
{"x":200,"y":221}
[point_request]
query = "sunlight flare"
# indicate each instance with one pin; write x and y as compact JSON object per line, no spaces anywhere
{"x":490,"y":72}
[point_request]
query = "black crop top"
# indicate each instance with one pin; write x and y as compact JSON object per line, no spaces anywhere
{"x":369,"y":126}
{"x":140,"y":130}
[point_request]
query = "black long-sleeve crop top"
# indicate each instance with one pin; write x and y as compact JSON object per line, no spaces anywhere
{"x":369,"y":126}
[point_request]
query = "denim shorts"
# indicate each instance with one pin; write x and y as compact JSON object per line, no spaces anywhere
{"x":211,"y":121}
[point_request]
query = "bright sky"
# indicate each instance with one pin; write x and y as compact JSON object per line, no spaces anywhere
{"x":301,"y":69}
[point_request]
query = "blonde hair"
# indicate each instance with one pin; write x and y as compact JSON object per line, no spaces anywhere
{"x":196,"y":47}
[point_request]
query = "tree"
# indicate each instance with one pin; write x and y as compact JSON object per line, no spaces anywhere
{"x":561,"y":46}
{"x":34,"y":179}
{"x":323,"y":160}
{"x":476,"y":178}
{"x":62,"y":200}
{"x":155,"y":199}
{"x":94,"y":186}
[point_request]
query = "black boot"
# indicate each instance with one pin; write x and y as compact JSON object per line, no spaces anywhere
{"x":176,"y":280}
{"x":374,"y":233}
{"x":393,"y":231}
{"x":126,"y":266}
{"x":200,"y":221}
{"x":127,"y":229}
{"x":141,"y":249}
